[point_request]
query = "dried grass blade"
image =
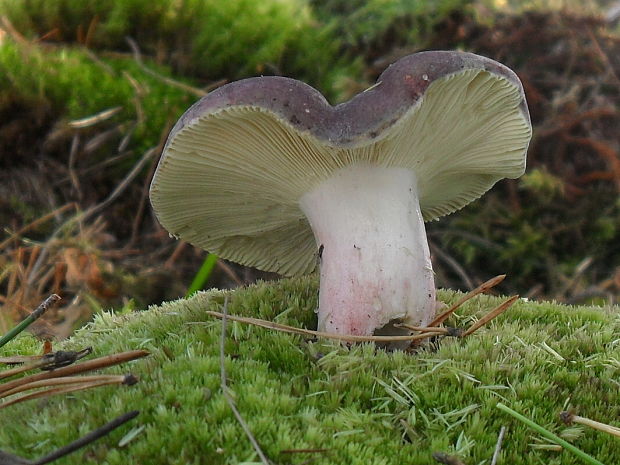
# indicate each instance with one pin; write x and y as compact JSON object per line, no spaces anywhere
{"x":498,"y":445}
{"x":423,"y":329}
{"x":36,"y":223}
{"x":94,"y":119}
{"x":171,"y":82}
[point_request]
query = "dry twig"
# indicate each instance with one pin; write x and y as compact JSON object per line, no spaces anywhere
{"x":127,"y":380}
{"x":95,"y":364}
{"x":49,"y":361}
{"x":94,"y":119}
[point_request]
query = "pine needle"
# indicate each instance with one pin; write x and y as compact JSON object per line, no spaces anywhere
{"x":118,"y":379}
{"x":568,"y":418}
{"x":126,"y":380}
{"x":308,"y":332}
{"x":439,"y":319}
{"x":94,"y":364}
{"x":501,"y":308}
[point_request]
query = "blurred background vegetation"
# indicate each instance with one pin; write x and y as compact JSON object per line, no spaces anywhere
{"x":89,"y":90}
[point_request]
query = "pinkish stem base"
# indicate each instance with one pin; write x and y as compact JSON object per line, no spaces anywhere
{"x":375,"y":262}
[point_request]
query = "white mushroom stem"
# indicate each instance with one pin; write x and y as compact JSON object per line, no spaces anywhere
{"x":375,"y":262}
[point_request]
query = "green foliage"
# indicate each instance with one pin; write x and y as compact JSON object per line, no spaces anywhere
{"x":74,"y":85}
{"x":364,"y":26}
{"x":549,"y":435}
{"x":317,"y":42}
{"x":541,"y":240}
{"x":211,"y":39}
{"x":362,"y":404}
{"x":542,"y":182}
{"x":203,"y":274}
{"x":322,"y":42}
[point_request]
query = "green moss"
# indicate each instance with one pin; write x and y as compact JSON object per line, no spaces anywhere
{"x":323,"y":43}
{"x":362,"y":404}
{"x":540,"y":181}
{"x":74,"y":85}
{"x":210,"y":40}
{"x":367,"y":27}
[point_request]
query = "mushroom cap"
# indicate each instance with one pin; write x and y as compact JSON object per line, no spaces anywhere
{"x":237,"y":162}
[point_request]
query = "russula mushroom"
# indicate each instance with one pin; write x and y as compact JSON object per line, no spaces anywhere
{"x":265,"y":172}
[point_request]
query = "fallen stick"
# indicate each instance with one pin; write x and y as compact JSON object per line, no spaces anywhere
{"x":62,"y":381}
{"x":49,"y":361}
{"x":95,"y":364}
{"x":126,"y":380}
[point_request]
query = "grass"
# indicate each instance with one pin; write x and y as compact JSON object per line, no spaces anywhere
{"x":547,"y":434}
{"x":204,"y":40}
{"x":203,"y":274}
{"x":363,"y":405}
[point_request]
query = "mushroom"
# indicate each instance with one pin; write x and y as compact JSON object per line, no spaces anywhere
{"x":266,"y":173}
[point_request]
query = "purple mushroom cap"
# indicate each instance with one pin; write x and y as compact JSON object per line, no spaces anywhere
{"x":202,"y":193}
{"x":265,"y":172}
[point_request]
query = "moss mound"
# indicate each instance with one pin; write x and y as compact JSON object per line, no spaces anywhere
{"x":357,"y":405}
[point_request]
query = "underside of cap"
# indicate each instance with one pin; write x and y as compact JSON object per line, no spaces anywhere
{"x":231,"y":175}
